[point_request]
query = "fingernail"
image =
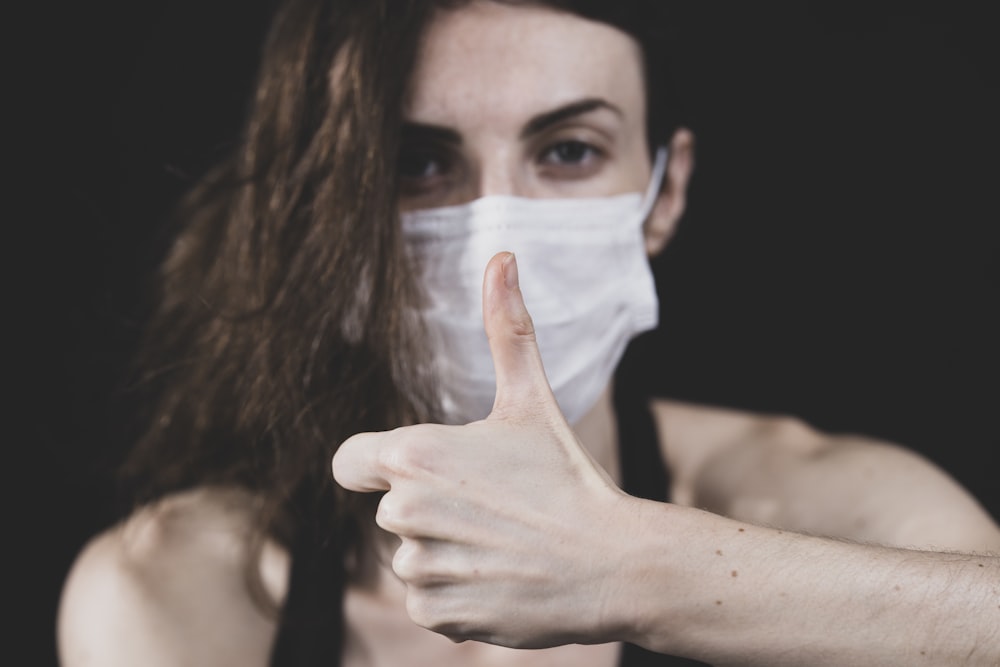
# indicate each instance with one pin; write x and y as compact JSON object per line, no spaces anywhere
{"x":510,"y":271}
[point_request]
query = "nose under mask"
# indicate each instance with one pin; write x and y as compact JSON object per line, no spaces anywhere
{"x":584,"y":275}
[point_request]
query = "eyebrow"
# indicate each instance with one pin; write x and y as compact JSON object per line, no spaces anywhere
{"x":549,"y":118}
{"x":435,"y":133}
{"x":538,"y":123}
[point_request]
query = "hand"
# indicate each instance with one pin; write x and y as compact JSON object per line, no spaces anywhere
{"x":508,"y":528}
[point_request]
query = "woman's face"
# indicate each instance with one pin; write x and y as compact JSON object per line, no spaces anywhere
{"x":522,"y":101}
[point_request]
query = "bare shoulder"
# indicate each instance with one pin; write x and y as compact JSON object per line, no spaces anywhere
{"x":691,"y":434}
{"x":170,"y":586}
{"x":780,"y":470}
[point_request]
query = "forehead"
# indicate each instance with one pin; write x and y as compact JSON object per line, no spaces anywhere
{"x":491,"y":64}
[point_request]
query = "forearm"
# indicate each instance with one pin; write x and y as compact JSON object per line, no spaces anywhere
{"x":729,"y":593}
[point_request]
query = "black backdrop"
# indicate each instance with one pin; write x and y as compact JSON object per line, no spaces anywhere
{"x":838,"y":260}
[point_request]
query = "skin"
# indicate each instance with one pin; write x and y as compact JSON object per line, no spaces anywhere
{"x":522,"y":512}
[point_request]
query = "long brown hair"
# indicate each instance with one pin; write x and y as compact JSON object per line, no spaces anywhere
{"x":279,"y":328}
{"x":281,"y":325}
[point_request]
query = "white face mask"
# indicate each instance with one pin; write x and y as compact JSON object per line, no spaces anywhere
{"x":584,"y":275}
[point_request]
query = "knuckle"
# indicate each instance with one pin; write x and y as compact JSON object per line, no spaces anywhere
{"x":410,"y":563}
{"x":519,"y":329}
{"x":422,"y":611}
{"x":435,"y":608}
{"x":416,"y":609}
{"x":420,"y":564}
{"x":410,"y":453}
{"x":396,"y":461}
{"x":403,"y":562}
{"x":391,"y":514}
{"x":522,"y":327}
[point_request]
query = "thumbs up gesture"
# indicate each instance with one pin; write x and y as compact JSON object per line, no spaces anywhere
{"x":509,"y":532}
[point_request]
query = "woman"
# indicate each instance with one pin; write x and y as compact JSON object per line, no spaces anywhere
{"x":320,"y":294}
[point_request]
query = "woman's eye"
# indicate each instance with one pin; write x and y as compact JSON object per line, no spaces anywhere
{"x":571,"y":160}
{"x":419,"y":165}
{"x":570,"y":153}
{"x":423,"y":171}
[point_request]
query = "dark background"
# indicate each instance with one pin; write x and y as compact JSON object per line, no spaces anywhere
{"x":839,"y":258}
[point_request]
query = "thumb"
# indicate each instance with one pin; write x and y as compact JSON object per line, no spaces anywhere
{"x":521,"y":381}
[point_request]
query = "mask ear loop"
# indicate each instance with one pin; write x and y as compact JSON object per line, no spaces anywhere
{"x":655,"y":181}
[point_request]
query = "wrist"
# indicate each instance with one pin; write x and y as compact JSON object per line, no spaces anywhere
{"x":643,"y":574}
{"x":689,"y":581}
{"x":650,"y":577}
